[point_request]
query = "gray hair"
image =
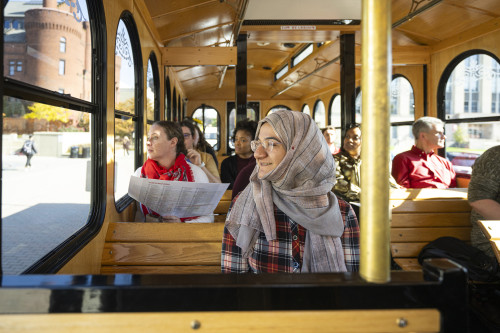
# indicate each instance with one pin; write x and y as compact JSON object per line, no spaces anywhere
{"x":424,"y":125}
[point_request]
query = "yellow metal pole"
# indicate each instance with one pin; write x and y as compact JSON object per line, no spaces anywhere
{"x":375,"y":80}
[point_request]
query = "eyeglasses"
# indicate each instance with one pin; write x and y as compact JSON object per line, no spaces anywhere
{"x":267,"y":144}
{"x":187,"y":135}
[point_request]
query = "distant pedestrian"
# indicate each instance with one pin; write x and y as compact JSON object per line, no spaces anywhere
{"x":29,"y":150}
{"x":126,"y":144}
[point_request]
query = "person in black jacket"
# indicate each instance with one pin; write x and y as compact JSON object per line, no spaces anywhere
{"x":243,"y":134}
{"x":29,"y":150}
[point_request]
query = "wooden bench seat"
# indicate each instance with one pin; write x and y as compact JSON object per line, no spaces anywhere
{"x":423,"y":215}
{"x":220,"y":211}
{"x":162,"y":248}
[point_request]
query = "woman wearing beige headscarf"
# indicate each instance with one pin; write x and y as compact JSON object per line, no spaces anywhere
{"x":287,"y":219}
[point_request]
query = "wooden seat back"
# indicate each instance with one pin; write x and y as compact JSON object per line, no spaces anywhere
{"x":423,"y":215}
{"x":222,"y":208}
{"x":162,"y":248}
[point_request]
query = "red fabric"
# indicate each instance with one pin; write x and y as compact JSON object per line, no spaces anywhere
{"x":416,"y":169}
{"x":180,"y":171}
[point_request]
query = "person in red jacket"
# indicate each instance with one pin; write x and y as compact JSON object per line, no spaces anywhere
{"x":421,"y":167}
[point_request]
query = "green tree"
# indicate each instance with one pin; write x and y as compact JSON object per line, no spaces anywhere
{"x":461,"y":137}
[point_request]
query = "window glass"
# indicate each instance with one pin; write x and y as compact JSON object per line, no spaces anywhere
{"x":62,"y":45}
{"x":473,"y":88}
{"x":30,"y":41}
{"x":302,"y":55}
{"x":151,"y":91}
{"x":402,"y":100}
{"x":281,"y":72}
{"x":401,"y":139}
{"x":334,"y":118}
{"x":124,"y":71}
{"x":319,"y":114}
{"x":168,"y":110}
{"x":208,"y":120}
{"x":357,"y":107}
{"x":125,"y":106}
{"x":306,"y":110}
{"x":62,"y":140}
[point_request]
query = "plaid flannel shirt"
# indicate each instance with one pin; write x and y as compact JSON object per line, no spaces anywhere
{"x":285,"y":253}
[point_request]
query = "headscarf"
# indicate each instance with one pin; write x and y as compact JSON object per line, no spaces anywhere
{"x":180,"y":171}
{"x":300,"y":186}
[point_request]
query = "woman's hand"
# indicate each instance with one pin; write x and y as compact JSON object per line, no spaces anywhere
{"x":194,"y":157}
{"x":170,"y":219}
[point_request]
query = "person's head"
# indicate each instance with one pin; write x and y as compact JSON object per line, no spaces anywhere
{"x":243,"y":134}
{"x":189,"y":132}
{"x":352,"y":140}
{"x":30,"y":136}
{"x":291,"y":151}
{"x":329,"y":134}
{"x":429,"y":133}
{"x":165,"y":141}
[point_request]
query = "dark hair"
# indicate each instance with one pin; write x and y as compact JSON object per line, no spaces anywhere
{"x":202,"y":143}
{"x":353,"y":125}
{"x":188,"y":124}
{"x":173,"y":130}
{"x":247,"y":125}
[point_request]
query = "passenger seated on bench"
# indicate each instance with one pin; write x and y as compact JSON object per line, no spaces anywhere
{"x":421,"y":167}
{"x":243,"y":134}
{"x":484,"y":196}
{"x":167,"y":161}
{"x":288,"y":219}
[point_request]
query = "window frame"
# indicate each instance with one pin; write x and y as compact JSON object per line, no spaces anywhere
{"x":441,"y":92}
{"x":156,"y":80}
{"x":138,"y":116}
{"x":61,"y":254}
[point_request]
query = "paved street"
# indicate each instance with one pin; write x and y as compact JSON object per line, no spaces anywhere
{"x":43,"y":205}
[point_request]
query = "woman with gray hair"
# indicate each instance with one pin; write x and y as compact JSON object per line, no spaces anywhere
{"x":287,"y":219}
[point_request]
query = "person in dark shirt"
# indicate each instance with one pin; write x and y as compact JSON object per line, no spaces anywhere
{"x":231,"y":166}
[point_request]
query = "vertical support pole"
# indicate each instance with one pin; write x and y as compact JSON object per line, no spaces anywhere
{"x":375,"y":81}
{"x":241,"y":78}
{"x":347,"y":81}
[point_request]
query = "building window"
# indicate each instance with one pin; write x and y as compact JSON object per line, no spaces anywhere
{"x":62,"y":45}
{"x":62,"y":67}
{"x":19,"y":67}
{"x":12,"y":68}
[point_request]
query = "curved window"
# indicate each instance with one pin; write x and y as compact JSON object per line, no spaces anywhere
{"x":334,"y":118}
{"x":209,"y":120}
{"x":37,"y":222}
{"x":278,"y":107}
{"x":305,"y":109}
{"x":469,"y":103}
{"x":402,"y":100}
{"x":402,"y":115}
{"x":62,"y":45}
{"x":319,"y":115}
{"x":152,"y":104}
{"x":168,"y":98}
{"x":128,"y":107}
{"x":253,"y":109}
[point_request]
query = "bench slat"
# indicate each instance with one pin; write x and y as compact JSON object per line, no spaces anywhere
{"x":161,"y":253}
{"x":406,"y":249}
{"x":408,"y":264}
{"x":161,"y":269}
{"x":430,"y":220}
{"x":164,"y":232}
{"x":428,"y":234}
{"x":430,"y":206}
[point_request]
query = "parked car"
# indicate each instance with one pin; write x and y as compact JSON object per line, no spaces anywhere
{"x":462,"y":162}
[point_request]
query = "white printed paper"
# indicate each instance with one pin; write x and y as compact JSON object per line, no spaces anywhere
{"x":174,"y":198}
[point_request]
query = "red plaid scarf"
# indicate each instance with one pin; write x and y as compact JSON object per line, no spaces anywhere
{"x":180,"y":171}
